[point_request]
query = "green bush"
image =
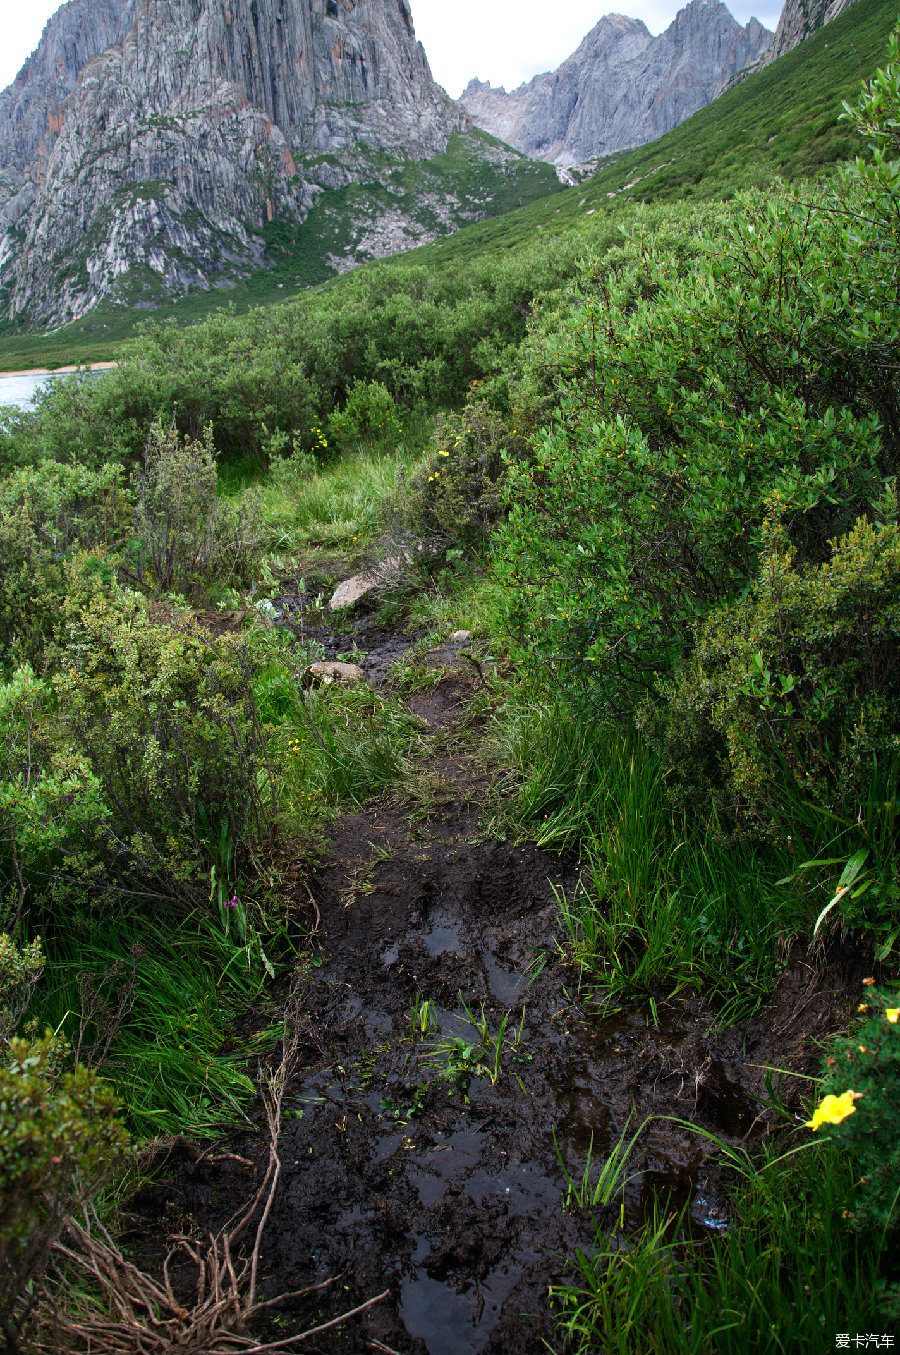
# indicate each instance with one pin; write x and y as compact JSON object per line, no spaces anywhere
{"x":48,"y":515}
{"x":163,"y":716}
{"x":862,"y":1091}
{"x":687,"y":404}
{"x":20,"y":970}
{"x":456,"y":496}
{"x":369,"y":414}
{"x":61,"y":1141}
{"x":420,"y":334}
{"x":190,"y":541}
{"x":48,"y":796}
{"x":795,"y":685}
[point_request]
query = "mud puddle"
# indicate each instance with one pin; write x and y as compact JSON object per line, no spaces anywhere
{"x":455,"y":1075}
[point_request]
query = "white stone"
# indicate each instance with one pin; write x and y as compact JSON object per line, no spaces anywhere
{"x":460,"y":637}
{"x":327,"y":673}
{"x":352,"y":591}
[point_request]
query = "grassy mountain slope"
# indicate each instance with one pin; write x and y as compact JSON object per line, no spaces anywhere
{"x":783,"y":121}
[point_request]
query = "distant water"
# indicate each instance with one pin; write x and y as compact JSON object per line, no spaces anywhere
{"x":21,"y":390}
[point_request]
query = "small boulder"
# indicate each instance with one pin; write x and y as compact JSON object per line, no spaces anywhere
{"x":460,"y":637}
{"x":324,"y":674}
{"x":352,"y":591}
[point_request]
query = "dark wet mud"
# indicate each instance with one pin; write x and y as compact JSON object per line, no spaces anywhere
{"x":423,"y":1157}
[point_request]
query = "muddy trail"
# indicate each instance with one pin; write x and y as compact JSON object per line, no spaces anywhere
{"x":453,"y":1074}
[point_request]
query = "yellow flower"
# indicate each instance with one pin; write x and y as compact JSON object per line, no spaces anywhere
{"x":892,"y":1014}
{"x":863,"y":1007}
{"x":833,"y":1109}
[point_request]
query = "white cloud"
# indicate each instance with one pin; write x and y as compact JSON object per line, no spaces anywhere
{"x":504,"y":41}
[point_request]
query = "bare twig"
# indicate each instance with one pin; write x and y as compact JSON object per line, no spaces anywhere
{"x":139,"y":1315}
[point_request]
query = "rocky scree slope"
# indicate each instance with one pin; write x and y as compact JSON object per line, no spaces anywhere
{"x":146,"y":143}
{"x":623,"y":87}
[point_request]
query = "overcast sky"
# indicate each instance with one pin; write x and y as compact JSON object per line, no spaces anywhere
{"x":504,"y":41}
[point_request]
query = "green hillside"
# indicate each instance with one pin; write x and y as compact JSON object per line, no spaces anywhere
{"x":784,"y":121}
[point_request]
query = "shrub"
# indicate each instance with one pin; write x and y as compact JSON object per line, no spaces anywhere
{"x":47,"y":794}
{"x":190,"y":542}
{"x":369,"y":415}
{"x":49,"y":514}
{"x":163,"y":716}
{"x":456,"y":496}
{"x":687,"y":403}
{"x":60,"y":1141}
{"x":795,"y":685}
{"x":862,"y":1090}
{"x":20,"y":970}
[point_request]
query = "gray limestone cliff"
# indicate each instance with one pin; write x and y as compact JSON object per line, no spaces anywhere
{"x":162,"y":135}
{"x":622,"y":87}
{"x":799,"y":20}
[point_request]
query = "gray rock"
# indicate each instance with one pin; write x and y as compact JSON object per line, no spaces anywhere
{"x":352,"y":591}
{"x":326,"y":673}
{"x":623,"y":87}
{"x":799,"y":20}
{"x":163,"y":137}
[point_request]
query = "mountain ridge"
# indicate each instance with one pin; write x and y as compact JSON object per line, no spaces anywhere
{"x":146,"y":147}
{"x":622,"y":87}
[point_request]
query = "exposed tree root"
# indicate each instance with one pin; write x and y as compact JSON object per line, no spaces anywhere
{"x":132,"y":1313}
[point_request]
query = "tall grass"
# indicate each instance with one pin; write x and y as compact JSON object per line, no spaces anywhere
{"x":785,"y":1277}
{"x":663,"y":903}
{"x":174,"y":1055}
{"x":335,"y":505}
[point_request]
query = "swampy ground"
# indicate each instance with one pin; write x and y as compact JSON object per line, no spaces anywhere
{"x":421,"y":1156}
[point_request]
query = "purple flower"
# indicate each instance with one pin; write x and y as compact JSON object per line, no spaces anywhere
{"x":232,"y":902}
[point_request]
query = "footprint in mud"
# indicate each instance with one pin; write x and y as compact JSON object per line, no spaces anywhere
{"x":456,"y":1321}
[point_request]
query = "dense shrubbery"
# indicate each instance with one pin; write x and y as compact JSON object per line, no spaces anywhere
{"x":388,"y":337}
{"x":47,"y":515}
{"x":455,"y":497}
{"x":797,"y":680}
{"x":694,"y":406}
{"x":163,"y":716}
{"x":687,"y":406}
{"x":867,"y":1065}
{"x":187,"y":540}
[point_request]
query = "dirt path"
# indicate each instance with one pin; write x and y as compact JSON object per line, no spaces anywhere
{"x":423,"y":1167}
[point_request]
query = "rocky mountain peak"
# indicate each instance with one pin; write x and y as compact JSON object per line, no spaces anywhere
{"x":165,"y":134}
{"x":622,"y":87}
